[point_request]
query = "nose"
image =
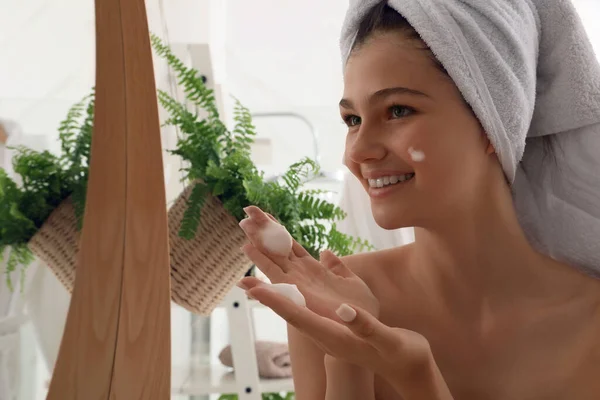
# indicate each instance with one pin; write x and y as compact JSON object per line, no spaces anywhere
{"x":364,"y":146}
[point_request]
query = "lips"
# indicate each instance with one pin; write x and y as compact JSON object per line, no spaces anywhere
{"x":388,"y":180}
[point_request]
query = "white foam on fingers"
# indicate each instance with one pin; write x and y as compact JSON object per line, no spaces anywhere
{"x":276,"y":239}
{"x":290,"y":291}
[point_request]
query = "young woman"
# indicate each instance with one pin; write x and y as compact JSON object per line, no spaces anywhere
{"x":470,"y":310}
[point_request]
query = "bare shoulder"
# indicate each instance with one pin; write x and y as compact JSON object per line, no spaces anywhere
{"x":374,"y":266}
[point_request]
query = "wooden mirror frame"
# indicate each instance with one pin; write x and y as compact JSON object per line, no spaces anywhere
{"x":116,"y":342}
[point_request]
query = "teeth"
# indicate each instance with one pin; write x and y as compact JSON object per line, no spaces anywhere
{"x":389,"y":180}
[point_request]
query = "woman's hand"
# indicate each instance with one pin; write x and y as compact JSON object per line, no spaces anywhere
{"x":325,"y":285}
{"x":351,"y":334}
{"x":402,"y":357}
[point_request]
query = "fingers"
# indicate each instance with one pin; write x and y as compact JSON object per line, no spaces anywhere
{"x":295,"y":315}
{"x":272,"y":217}
{"x":368,"y":328}
{"x":272,"y":270}
{"x":298,"y":250}
{"x":335,"y":265}
{"x":249,"y":282}
{"x":324,"y":330}
{"x":258,"y":215}
{"x":253,"y":228}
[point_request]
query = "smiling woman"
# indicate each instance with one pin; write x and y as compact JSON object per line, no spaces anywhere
{"x":490,"y":300}
{"x":396,"y":100}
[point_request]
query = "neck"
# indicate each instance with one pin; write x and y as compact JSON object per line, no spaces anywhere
{"x":480,"y":259}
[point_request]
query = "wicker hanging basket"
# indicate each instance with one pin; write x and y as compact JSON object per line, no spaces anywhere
{"x":203,"y":270}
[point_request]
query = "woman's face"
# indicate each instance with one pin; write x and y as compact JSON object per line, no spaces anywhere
{"x":397,"y":102}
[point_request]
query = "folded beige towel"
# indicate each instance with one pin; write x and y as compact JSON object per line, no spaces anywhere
{"x":273,"y":359}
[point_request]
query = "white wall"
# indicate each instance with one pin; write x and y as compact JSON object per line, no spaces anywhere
{"x":589,"y":10}
{"x":274,"y":62}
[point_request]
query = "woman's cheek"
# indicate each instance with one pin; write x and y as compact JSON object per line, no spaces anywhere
{"x":433,"y":160}
{"x":417,"y":145}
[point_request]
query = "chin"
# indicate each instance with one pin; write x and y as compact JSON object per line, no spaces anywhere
{"x":390,"y":219}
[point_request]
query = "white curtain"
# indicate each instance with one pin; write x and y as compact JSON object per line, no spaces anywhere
{"x":12,"y":316}
{"x":40,"y":306}
{"x":47,"y":307}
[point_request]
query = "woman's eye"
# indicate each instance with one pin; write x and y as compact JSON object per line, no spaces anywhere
{"x":352,"y":120}
{"x":400,"y":111}
{"x":396,"y":112}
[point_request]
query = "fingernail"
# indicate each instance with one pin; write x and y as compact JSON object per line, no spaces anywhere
{"x":346,"y":313}
{"x":249,"y":295}
{"x":241,"y":286}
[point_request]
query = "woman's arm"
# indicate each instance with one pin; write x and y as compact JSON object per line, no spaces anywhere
{"x":321,"y":377}
{"x":347,"y":381}
{"x":403,"y":357}
{"x":307,"y":366}
{"x":423,"y":381}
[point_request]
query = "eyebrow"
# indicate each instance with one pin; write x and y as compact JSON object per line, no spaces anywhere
{"x":345,"y":103}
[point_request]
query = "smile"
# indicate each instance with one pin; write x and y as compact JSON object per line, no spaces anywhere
{"x":390,"y":180}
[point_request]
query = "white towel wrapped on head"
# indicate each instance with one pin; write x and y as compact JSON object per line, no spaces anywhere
{"x":528,"y":70}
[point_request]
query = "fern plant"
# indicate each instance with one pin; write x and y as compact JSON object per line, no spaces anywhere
{"x":47,"y":180}
{"x":265,"y":396}
{"x":220,"y":165}
{"x":219,"y":162}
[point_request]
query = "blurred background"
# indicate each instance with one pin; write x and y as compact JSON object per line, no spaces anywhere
{"x":279,"y":58}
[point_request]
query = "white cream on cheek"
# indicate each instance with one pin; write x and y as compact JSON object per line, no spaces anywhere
{"x":276,"y":239}
{"x":416,"y":155}
{"x":290,"y":291}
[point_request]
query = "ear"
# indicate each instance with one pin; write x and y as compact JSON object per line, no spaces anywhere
{"x":489,"y":146}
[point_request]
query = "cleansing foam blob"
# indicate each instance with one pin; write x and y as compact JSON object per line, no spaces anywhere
{"x":276,"y":239}
{"x":289,"y":291}
{"x":416,"y":155}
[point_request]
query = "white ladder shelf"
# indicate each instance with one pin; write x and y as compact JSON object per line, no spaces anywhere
{"x":244,"y":380}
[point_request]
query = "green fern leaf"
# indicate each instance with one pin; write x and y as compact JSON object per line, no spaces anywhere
{"x":191,"y":216}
